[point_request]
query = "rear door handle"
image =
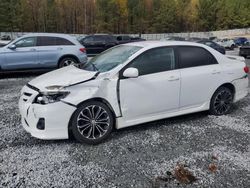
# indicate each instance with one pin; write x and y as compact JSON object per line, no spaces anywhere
{"x":59,"y":48}
{"x":32,"y":49}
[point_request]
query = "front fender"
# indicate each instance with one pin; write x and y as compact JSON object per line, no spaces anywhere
{"x":103,"y":89}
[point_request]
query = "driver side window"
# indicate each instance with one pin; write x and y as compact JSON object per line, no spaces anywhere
{"x":26,"y":42}
{"x":155,"y":61}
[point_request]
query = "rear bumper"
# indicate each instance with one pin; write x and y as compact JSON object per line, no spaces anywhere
{"x":241,"y":88}
{"x":83,"y":58}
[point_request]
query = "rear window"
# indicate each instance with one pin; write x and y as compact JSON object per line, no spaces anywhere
{"x":62,"y":41}
{"x":190,"y":56}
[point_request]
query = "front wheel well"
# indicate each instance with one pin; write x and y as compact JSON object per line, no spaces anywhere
{"x":67,"y":56}
{"x":104,"y":101}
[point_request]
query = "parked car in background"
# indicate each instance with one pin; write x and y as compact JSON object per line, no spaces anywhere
{"x":122,"y":39}
{"x":41,"y":51}
{"x":173,"y":38}
{"x":80,"y":37}
{"x":213,"y":45}
{"x":240,"y":41}
{"x":4,"y":40}
{"x":6,"y":37}
{"x":2,"y":44}
{"x":227,"y":43}
{"x":131,"y":84}
{"x":98,"y":43}
{"x":245,"y":49}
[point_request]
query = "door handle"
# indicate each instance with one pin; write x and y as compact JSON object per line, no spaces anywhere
{"x":59,"y":48}
{"x":215,"y":72}
{"x":173,"y":78}
{"x":32,"y":49}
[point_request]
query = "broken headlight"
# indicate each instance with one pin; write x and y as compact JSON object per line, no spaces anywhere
{"x":51,"y":97}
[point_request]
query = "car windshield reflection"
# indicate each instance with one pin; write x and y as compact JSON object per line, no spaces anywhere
{"x":111,"y":58}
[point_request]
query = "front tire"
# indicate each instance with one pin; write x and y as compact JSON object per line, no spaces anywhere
{"x":92,"y":123}
{"x":221,"y":102}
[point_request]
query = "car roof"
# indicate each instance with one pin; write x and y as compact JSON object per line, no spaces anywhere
{"x":100,"y":34}
{"x":153,"y":44}
{"x":48,"y":35}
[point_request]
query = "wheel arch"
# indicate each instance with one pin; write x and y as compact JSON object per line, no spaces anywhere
{"x":67,"y":56}
{"x":99,"y":99}
{"x":227,"y":85}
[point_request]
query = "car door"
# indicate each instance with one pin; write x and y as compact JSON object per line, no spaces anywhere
{"x":23,"y":56}
{"x":156,"y":90}
{"x":48,"y":51}
{"x":200,"y":76}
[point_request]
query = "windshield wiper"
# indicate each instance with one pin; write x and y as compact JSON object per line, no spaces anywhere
{"x":94,"y":66}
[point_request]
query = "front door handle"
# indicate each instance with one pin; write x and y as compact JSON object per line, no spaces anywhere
{"x":32,"y":49}
{"x":215,"y":72}
{"x":173,"y":78}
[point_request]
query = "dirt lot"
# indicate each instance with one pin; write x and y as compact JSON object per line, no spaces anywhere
{"x":132,"y":157}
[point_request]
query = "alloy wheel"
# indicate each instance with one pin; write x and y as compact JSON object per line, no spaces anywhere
{"x":223,"y":102}
{"x":93,"y":122}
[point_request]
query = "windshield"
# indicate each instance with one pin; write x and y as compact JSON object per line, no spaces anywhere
{"x":111,"y":58}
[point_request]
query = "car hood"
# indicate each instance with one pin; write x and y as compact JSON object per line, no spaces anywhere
{"x":66,"y":76}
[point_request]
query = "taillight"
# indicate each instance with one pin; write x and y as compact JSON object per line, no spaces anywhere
{"x":83,"y":50}
{"x":246,"y":69}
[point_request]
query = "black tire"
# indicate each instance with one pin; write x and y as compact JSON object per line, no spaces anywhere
{"x":221,"y":102}
{"x":67,"y":61}
{"x":90,"y":127}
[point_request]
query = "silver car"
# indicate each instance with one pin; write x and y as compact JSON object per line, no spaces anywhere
{"x":41,"y":51}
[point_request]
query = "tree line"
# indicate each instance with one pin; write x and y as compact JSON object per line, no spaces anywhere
{"x":123,"y":16}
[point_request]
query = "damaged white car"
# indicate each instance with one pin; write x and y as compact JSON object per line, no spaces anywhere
{"x":131,"y":84}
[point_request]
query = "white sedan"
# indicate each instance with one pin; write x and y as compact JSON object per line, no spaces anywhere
{"x":131,"y":84}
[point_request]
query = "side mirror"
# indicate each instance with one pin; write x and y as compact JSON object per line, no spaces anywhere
{"x":12,"y":47}
{"x":131,"y":73}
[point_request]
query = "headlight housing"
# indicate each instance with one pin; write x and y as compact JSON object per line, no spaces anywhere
{"x":50,"y":97}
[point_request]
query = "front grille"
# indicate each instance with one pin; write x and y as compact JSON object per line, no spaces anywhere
{"x":33,"y":87}
{"x":26,"y":122}
{"x":27,"y":94}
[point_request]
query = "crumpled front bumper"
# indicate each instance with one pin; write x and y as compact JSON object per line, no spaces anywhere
{"x":56,"y":115}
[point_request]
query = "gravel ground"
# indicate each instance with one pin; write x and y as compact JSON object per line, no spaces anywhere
{"x":132,"y":157}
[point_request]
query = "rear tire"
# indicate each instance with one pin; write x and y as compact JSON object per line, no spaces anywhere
{"x":221,"y":102}
{"x":92,"y":123}
{"x":67,"y":61}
